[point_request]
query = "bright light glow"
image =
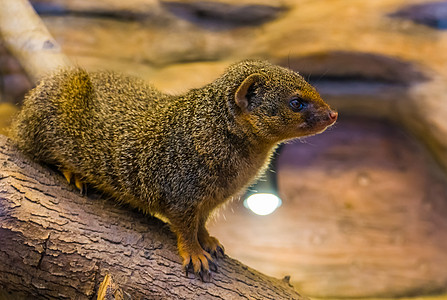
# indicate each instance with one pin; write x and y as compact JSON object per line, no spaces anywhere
{"x":262,"y":204}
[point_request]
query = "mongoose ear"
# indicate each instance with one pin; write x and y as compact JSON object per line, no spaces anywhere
{"x":244,"y":93}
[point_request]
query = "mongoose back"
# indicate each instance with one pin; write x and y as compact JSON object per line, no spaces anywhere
{"x":174,"y":156}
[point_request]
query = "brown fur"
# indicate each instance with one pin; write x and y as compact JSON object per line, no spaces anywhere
{"x":178,"y":157}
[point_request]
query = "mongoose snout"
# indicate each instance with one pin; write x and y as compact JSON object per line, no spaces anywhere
{"x":329,"y":119}
{"x":333,"y":115}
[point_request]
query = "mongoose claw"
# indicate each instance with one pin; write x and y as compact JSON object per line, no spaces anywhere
{"x":221,"y":250}
{"x":199,"y":265}
{"x":213,"y":266}
{"x":205,"y":275}
{"x":218,"y":251}
{"x":68,"y":175}
{"x":212,"y":246}
{"x":80,"y":185}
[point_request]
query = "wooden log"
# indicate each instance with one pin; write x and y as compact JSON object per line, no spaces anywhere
{"x":57,"y":244}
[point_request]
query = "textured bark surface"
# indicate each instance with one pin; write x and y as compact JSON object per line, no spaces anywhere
{"x":57,"y":244}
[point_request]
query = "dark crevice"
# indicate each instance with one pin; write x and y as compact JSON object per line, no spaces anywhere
{"x":432,"y":14}
{"x":53,"y":9}
{"x":17,"y":189}
{"x":356,"y":70}
{"x":359,"y":78}
{"x":96,"y":280}
{"x":354,"y":86}
{"x":35,"y":188}
{"x":221,"y":16}
{"x":44,"y":251}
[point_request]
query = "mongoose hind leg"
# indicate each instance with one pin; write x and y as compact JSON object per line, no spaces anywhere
{"x":82,"y":187}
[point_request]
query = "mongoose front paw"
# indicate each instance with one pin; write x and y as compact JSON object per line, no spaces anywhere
{"x":212,"y":245}
{"x":199,"y":263}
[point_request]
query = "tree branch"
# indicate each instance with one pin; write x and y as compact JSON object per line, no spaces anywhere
{"x":59,"y":245}
{"x":27,"y":38}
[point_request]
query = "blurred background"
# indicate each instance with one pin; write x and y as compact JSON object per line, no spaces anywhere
{"x":363,"y":209}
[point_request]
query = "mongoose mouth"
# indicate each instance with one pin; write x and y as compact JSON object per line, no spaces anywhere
{"x":328,"y":121}
{"x":322,"y":124}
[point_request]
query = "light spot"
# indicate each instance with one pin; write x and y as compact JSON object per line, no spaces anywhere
{"x":262,"y":204}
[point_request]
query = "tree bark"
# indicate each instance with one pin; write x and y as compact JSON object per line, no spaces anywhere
{"x":57,"y":244}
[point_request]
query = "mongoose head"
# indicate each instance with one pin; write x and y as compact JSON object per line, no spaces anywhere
{"x":277,"y":103}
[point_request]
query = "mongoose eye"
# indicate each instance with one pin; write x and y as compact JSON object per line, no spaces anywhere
{"x":297,"y":104}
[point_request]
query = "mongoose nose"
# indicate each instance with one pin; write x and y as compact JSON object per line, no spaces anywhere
{"x":333,"y":115}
